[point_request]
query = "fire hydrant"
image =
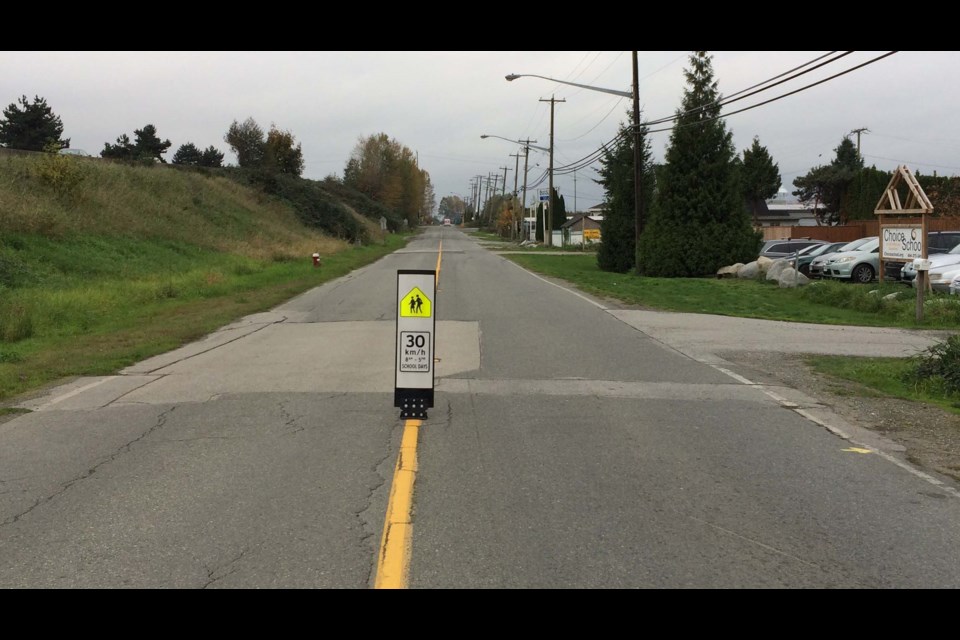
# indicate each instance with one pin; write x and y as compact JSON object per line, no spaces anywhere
{"x":316,"y":259}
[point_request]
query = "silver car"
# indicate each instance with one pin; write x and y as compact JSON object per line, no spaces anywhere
{"x":816,"y":266}
{"x":909,"y":274}
{"x":860,"y":265}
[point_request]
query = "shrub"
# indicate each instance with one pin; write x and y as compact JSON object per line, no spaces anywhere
{"x":938,"y":368}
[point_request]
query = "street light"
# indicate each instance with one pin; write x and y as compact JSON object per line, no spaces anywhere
{"x":526,"y":157}
{"x":637,"y":166}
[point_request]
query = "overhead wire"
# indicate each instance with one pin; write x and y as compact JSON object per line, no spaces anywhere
{"x":592,"y":157}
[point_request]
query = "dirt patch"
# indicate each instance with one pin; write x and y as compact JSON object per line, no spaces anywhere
{"x":930,"y":434}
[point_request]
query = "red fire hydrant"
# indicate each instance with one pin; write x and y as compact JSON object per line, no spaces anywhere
{"x":316,"y":259}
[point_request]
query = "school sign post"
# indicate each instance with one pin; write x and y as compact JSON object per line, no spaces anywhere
{"x":416,"y":324}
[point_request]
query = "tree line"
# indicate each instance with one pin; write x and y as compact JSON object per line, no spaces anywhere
{"x":700,"y":206}
{"x":380,"y":168}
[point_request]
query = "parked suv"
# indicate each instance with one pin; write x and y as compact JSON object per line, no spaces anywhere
{"x":937,"y":242}
{"x":774,"y":249}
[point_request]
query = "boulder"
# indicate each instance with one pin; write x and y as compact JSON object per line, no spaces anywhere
{"x":790,"y":277}
{"x":730,"y":271}
{"x":775,"y":268}
{"x":749,"y":271}
{"x":764,"y":263}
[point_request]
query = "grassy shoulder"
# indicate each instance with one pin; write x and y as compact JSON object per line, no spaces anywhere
{"x":822,"y":302}
{"x":104,"y":303}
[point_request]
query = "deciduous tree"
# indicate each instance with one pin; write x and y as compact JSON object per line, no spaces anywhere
{"x":247,"y":141}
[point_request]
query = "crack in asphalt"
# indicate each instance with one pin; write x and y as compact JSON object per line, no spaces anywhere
{"x":290,"y":421}
{"x":366,"y":527}
{"x":161,"y":420}
{"x":212,"y":576}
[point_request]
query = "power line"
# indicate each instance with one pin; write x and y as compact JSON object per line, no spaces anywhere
{"x":591,"y":158}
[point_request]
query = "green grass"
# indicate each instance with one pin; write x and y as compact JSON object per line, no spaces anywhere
{"x":884,"y":376}
{"x":120,"y":301}
{"x":822,"y":302}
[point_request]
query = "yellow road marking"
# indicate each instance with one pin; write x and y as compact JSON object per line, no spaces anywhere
{"x":393,"y":565}
{"x":857,"y":450}
{"x":436,"y":278}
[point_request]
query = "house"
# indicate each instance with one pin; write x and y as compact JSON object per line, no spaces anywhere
{"x":783,"y":211}
{"x":581,"y":226}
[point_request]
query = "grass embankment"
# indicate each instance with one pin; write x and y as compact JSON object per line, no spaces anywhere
{"x":822,"y":302}
{"x":102,"y":264}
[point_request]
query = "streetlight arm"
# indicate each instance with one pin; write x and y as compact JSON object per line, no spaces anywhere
{"x":520,"y":142}
{"x":624,"y":94}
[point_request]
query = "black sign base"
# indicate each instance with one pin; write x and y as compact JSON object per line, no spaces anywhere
{"x":413,"y":403}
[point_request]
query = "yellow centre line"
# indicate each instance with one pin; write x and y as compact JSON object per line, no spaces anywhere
{"x":396,"y":543}
{"x":393,"y":564}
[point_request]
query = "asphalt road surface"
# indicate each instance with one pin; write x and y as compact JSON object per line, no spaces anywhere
{"x":573,"y":444}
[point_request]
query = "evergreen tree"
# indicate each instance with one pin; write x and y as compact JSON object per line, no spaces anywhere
{"x":827,"y":186}
{"x":148,"y":145}
{"x":760,"y":177}
{"x":865,"y":190}
{"x":31,"y":126}
{"x":123,"y":150}
{"x":538,"y":232}
{"x":699,"y":222}
{"x":618,"y":233}
{"x":560,"y":215}
{"x":211,"y":157}
{"x":187,"y":154}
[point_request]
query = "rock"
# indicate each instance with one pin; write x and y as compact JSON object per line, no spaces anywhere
{"x":729,"y":272}
{"x":749,"y":271}
{"x":789,"y":277}
{"x":764,"y":263}
{"x":775,"y":268}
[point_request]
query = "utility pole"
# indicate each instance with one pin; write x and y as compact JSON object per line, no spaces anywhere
{"x":548,"y":236}
{"x":503,"y":190}
{"x":515,"y":227}
{"x":637,"y":165}
{"x":526,"y":159}
{"x":476,"y":210}
{"x":858,"y":132}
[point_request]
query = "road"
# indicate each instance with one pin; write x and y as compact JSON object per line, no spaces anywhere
{"x":573,"y":444}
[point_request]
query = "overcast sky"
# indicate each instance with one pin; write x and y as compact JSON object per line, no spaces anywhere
{"x":439,"y":103}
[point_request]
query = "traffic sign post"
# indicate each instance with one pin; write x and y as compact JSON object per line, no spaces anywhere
{"x":416,"y":323}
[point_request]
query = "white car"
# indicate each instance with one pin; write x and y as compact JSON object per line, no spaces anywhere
{"x":938,"y":260}
{"x":942,"y":279}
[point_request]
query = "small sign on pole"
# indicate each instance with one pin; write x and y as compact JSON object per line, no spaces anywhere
{"x":416,"y":323}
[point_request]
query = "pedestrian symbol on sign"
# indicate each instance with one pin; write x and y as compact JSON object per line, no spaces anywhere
{"x":415,"y":304}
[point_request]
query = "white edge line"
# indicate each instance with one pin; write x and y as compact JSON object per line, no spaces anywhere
{"x":842,"y":434}
{"x":782,"y":402}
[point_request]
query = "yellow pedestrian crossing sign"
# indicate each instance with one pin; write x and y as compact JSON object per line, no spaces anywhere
{"x":415,"y":304}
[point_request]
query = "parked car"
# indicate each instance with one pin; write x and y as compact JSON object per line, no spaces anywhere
{"x":806,"y":256}
{"x":816,"y":265}
{"x":937,"y":242}
{"x":774,"y":249}
{"x":860,"y":265}
{"x":942,"y":279}
{"x":908,"y":274}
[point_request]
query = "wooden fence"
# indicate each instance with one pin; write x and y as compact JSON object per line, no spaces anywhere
{"x":859,"y":229}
